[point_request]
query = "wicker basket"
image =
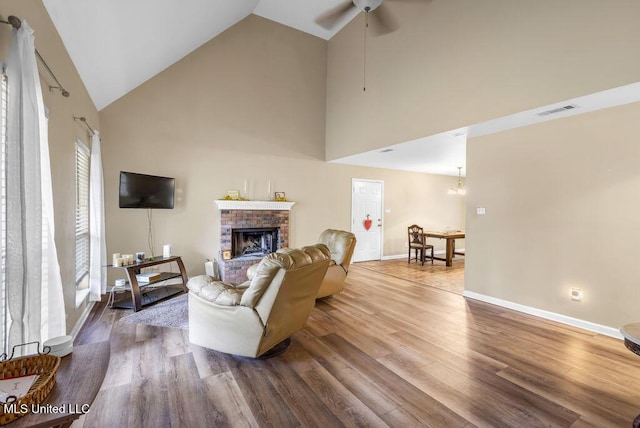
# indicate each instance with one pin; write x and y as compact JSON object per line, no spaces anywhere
{"x":43,"y":365}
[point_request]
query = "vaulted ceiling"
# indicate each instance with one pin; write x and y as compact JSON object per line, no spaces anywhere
{"x":118,"y":44}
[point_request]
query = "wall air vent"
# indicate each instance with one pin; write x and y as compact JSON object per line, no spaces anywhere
{"x":386,"y":150}
{"x":557,"y":110}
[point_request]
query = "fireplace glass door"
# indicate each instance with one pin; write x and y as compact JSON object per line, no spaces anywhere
{"x":254,"y":242}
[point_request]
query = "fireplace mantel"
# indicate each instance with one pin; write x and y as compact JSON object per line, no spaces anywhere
{"x":253,"y":205}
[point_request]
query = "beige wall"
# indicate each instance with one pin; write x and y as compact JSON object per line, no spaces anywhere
{"x":249,"y":104}
{"x":559,"y":196}
{"x":454,"y":63}
{"x":561,"y":211}
{"x":63,"y":131}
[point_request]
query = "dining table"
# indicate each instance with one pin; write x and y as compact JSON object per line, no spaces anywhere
{"x":450,"y":236}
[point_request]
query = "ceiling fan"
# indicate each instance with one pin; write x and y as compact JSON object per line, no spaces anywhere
{"x":385,"y":21}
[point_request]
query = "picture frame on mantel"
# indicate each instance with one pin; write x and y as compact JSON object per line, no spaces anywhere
{"x":280,"y":197}
{"x":233,"y":194}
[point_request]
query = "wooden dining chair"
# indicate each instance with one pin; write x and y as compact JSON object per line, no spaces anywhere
{"x":418,"y":243}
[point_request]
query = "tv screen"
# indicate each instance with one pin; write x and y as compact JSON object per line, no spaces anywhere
{"x":145,"y":191}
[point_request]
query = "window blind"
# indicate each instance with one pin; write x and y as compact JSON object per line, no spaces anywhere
{"x":82,"y":214}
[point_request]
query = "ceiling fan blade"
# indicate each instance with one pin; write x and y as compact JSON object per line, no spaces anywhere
{"x":385,"y":23}
{"x":328,"y":19}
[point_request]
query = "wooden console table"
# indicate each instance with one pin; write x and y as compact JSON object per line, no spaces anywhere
{"x":78,"y":381}
{"x":138,"y":299}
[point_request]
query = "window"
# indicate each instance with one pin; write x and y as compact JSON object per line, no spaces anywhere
{"x":82,"y":215}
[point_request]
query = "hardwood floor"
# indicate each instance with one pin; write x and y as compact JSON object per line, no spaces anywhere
{"x":385,"y":352}
{"x":447,"y":278}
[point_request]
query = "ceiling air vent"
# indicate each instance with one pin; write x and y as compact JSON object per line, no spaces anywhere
{"x":557,"y":110}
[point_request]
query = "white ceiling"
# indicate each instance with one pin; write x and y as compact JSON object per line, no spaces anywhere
{"x":301,"y":14}
{"x":116,"y":45}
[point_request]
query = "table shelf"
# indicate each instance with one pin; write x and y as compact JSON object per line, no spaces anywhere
{"x":139,"y":296}
{"x":164,"y":276}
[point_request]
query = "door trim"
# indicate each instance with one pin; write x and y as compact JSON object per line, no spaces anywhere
{"x":353,"y":220}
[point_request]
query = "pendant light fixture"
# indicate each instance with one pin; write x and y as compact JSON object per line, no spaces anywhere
{"x":458,"y":189}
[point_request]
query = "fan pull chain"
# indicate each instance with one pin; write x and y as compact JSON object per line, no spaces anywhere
{"x":364,"y":71}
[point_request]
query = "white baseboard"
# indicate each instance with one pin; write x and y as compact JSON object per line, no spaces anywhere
{"x":81,"y":321}
{"x":397,"y":256}
{"x":575,"y":322}
{"x":404,"y":256}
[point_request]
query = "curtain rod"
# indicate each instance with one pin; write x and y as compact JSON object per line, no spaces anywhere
{"x":84,"y":120}
{"x":15,"y":22}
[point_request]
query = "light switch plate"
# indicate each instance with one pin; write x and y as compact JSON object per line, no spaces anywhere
{"x":481,"y":210}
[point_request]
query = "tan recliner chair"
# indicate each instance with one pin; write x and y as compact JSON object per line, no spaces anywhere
{"x":252,"y":318}
{"x":341,"y":244}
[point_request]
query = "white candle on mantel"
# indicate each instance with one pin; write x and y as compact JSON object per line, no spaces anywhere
{"x":245,"y":188}
{"x":269,"y":191}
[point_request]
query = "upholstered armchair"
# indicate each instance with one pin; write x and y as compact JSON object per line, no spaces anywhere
{"x":252,"y":318}
{"x":341,"y":244}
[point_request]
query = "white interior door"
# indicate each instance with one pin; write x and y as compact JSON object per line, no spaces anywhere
{"x":366,"y":199}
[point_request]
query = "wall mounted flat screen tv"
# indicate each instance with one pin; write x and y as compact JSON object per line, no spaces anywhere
{"x":146,"y":191}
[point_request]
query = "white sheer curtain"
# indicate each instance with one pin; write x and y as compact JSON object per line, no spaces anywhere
{"x":98,"y":249}
{"x":34,"y":288}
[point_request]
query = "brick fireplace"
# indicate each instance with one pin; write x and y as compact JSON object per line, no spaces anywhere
{"x":248,"y":231}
